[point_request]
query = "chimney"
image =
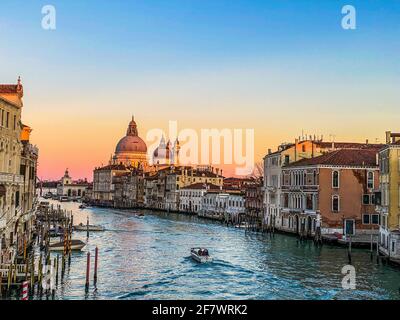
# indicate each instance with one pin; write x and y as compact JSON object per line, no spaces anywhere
{"x":388,"y":134}
{"x":269,"y":151}
{"x":366,"y":141}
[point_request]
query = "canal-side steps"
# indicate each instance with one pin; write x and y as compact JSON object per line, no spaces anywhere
{"x":357,"y":241}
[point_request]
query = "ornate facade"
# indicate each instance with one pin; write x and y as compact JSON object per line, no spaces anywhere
{"x":18,"y":162}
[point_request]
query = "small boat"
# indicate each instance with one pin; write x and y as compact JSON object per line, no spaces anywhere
{"x":76,"y":245}
{"x":64,"y":199}
{"x":82,"y":206}
{"x":139,"y":215}
{"x":200,"y":255}
{"x":91,"y":227}
{"x":243,"y":225}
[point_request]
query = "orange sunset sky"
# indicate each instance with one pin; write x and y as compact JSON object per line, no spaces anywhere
{"x":271,"y":66}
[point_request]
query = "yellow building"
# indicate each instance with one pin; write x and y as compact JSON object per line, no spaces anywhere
{"x":389,"y":205}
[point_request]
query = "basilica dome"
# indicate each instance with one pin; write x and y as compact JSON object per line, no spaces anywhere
{"x":131,"y":150}
{"x":131,"y":144}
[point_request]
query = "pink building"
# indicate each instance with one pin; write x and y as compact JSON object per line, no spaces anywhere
{"x":334,"y":191}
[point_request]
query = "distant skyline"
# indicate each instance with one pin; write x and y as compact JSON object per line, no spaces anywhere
{"x":279,"y":67}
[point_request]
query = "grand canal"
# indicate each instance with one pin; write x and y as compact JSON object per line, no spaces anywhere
{"x":149,"y":259}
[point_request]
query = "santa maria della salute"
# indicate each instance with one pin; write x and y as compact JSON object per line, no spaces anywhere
{"x":131,"y":151}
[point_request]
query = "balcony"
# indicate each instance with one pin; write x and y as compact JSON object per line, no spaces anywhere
{"x":11,"y":178}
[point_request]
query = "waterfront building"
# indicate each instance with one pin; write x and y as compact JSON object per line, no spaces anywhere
{"x":186,"y":176}
{"x":388,"y":203}
{"x":334,"y":191}
{"x":70,"y":188}
{"x":163,"y":194}
{"x":286,"y":154}
{"x":134,"y":189}
{"x":28,"y":169}
{"x":237,"y":183}
{"x":254,"y":199}
{"x":131,"y":150}
{"x":120,"y":183}
{"x":150,"y":189}
{"x":191,"y":197}
{"x":103,"y":183}
{"x":18,"y":162}
{"x":226,"y":205}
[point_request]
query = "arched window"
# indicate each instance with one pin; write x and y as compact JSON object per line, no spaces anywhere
{"x":335,"y":203}
{"x":335,"y":179}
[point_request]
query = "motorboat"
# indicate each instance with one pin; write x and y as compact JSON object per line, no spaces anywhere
{"x":90,"y":227}
{"x":82,"y":206}
{"x":242,"y":225}
{"x":64,"y":199}
{"x":200,"y":255}
{"x":139,"y":215}
{"x":76,"y":245}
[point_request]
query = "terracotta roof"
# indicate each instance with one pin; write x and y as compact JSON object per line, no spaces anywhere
{"x":348,"y":145}
{"x":113,"y":167}
{"x":342,"y":157}
{"x":8,"y":88}
{"x":202,"y":186}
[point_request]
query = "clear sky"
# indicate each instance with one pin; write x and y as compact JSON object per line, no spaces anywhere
{"x":279,"y":67}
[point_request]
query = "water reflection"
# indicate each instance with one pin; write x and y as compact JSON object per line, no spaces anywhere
{"x":149,"y":259}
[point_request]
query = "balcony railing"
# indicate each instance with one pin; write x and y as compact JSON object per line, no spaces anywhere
{"x":11,"y":178}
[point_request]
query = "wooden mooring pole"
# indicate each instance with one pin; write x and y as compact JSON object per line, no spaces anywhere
{"x":372,"y":250}
{"x":87,"y":272}
{"x":87,"y":227}
{"x":96,"y":257}
{"x":349,"y":251}
{"x":377,"y":250}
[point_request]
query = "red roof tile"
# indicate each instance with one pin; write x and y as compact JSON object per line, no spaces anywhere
{"x":342,"y":157}
{"x":348,"y":145}
{"x":8,"y":88}
{"x":199,"y":186}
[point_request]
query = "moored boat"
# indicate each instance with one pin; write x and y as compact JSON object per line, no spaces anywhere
{"x":90,"y":227}
{"x":76,"y":245}
{"x":242,"y":225}
{"x":200,"y":255}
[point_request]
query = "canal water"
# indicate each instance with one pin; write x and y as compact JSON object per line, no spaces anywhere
{"x":149,"y":259}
